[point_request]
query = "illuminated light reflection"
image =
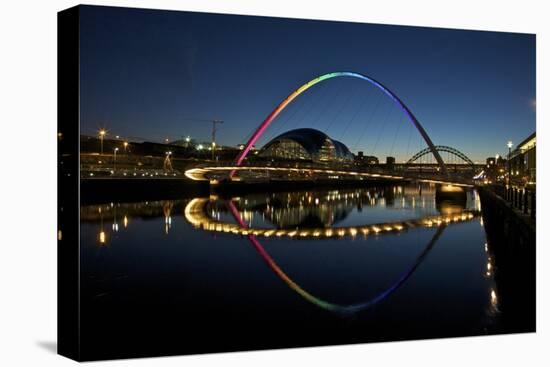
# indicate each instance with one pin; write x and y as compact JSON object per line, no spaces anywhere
{"x":195,"y":213}
{"x":333,"y":307}
{"x":494,"y":299}
{"x":102,"y":238}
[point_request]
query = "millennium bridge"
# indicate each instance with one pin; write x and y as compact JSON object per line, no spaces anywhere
{"x":241,"y":171}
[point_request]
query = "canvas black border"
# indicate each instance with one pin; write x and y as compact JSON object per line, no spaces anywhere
{"x":68,"y":238}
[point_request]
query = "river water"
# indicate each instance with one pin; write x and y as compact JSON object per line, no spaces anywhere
{"x":317,"y":267}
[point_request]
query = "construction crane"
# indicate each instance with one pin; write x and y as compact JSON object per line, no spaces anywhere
{"x":214,"y":129}
{"x":214,"y":122}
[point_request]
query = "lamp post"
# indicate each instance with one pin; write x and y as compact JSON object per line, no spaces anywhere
{"x":167,"y":162}
{"x":125,"y":146}
{"x":114,"y":164}
{"x":509,"y":163}
{"x":102,"y":134}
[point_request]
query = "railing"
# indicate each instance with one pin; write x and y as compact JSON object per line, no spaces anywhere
{"x":525,"y":200}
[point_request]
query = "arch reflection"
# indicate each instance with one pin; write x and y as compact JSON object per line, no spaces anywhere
{"x":334,"y":307}
{"x":196,"y":214}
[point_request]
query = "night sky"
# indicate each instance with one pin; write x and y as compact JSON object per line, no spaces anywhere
{"x":151,"y":74}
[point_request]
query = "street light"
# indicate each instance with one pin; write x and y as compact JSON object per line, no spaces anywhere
{"x":125,"y":146}
{"x":509,"y":162}
{"x":114,"y":164}
{"x":167,"y":166}
{"x":102,"y":134}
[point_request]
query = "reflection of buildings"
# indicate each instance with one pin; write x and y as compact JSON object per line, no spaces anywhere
{"x":198,"y":212}
{"x":112,"y":212}
{"x":287,"y":211}
{"x":306,"y":144}
{"x":300,"y":209}
{"x":324,"y":208}
{"x":523,"y":161}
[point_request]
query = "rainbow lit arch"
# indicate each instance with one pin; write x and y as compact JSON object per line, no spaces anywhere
{"x":260,"y":130}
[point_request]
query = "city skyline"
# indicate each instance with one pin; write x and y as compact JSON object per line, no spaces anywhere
{"x":153,"y":75}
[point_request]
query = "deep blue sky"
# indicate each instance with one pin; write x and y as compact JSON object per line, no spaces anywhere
{"x":148,"y":73}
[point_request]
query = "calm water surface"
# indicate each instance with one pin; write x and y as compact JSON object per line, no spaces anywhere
{"x":187,"y":276}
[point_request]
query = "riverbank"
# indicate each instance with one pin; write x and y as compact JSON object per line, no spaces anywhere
{"x":511,"y":240}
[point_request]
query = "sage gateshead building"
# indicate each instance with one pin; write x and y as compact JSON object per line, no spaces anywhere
{"x":306,"y":145}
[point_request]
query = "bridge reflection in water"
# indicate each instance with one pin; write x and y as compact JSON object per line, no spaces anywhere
{"x":195,"y":213}
{"x":329,"y":253}
{"x":293,"y":213}
{"x":343,"y":309}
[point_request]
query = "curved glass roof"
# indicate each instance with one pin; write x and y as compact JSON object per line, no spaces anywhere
{"x":312,"y":141}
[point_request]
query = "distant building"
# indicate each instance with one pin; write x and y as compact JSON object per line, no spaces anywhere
{"x":242,"y":146}
{"x":523,"y":160}
{"x":390,"y":161}
{"x":361,"y":159}
{"x":495,"y":169}
{"x":306,"y":144}
{"x":497,"y":161}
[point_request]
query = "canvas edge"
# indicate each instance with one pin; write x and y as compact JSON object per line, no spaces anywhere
{"x":68,"y":235}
